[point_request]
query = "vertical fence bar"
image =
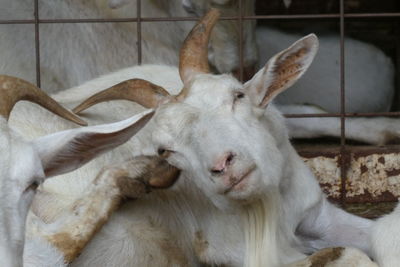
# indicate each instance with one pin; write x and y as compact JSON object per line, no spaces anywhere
{"x":241,"y":63}
{"x":344,"y":157}
{"x":139,"y":31}
{"x":37,"y":43}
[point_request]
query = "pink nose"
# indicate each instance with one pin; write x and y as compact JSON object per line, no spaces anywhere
{"x":223,"y":163}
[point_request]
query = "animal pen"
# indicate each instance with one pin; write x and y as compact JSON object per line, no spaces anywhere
{"x":364,"y":179}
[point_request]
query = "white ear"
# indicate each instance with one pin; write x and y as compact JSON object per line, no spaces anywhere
{"x":68,"y":150}
{"x":117,"y":3}
{"x":282,"y":70}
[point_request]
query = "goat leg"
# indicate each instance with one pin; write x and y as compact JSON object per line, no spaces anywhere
{"x":133,"y":179}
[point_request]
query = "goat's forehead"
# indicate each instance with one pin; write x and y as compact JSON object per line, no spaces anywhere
{"x":208,"y":98}
{"x":211,"y":91}
{"x":173,"y":118}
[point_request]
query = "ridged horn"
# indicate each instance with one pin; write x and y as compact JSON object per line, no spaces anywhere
{"x":193,"y":56}
{"x":143,"y":92}
{"x":13,"y":89}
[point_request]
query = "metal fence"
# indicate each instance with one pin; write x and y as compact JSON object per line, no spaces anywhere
{"x":344,"y":152}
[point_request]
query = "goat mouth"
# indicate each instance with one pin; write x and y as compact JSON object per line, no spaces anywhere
{"x":245,"y":176}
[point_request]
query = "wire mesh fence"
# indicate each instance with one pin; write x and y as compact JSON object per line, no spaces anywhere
{"x":374,"y":21}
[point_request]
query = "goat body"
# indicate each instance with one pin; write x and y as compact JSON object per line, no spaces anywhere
{"x":185,"y":215}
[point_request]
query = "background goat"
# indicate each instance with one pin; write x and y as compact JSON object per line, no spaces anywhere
{"x":238,"y":167}
{"x":25,"y":164}
{"x":98,"y":48}
{"x":368,"y":72}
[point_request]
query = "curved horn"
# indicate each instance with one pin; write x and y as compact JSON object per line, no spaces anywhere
{"x":143,"y":92}
{"x":13,"y":89}
{"x":193,"y":57}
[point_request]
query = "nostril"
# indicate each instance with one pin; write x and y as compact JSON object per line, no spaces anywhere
{"x":217,"y":171}
{"x":229,"y":159}
{"x":222,"y":164}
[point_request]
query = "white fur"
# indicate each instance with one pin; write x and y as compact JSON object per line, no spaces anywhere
{"x":385,"y":239}
{"x":24,"y":163}
{"x":42,"y":252}
{"x":349,"y":257}
{"x":209,"y":123}
{"x":260,"y":232}
{"x":74,"y":53}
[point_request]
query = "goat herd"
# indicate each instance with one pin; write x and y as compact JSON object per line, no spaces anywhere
{"x":202,"y":174}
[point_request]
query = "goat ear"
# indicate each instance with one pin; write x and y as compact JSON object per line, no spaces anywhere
{"x":68,"y":150}
{"x":282,"y":71}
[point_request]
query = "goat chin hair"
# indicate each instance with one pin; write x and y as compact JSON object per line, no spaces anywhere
{"x":261,"y":223}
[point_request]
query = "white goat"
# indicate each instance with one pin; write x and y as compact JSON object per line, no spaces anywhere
{"x":244,"y":197}
{"x":368,"y":72}
{"x":25,"y":164}
{"x":385,"y":239}
{"x":98,"y":48}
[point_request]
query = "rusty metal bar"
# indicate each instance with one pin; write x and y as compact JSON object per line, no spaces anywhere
{"x":37,"y":43}
{"x":373,"y":173}
{"x":139,"y":31}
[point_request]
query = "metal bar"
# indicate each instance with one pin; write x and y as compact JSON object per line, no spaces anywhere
{"x":265,"y":17}
{"x":139,"y":32}
{"x":19,"y":21}
{"x":344,"y":157}
{"x":347,"y":115}
{"x":240,"y":11}
{"x":37,"y":43}
{"x":332,"y":151}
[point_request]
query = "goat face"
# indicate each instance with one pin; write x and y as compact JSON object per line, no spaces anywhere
{"x":217,"y":138}
{"x":217,"y":133}
{"x":17,"y":184}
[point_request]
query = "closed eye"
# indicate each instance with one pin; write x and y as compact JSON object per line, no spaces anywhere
{"x":238,"y":96}
{"x":164,"y":153}
{"x":33,"y":186}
